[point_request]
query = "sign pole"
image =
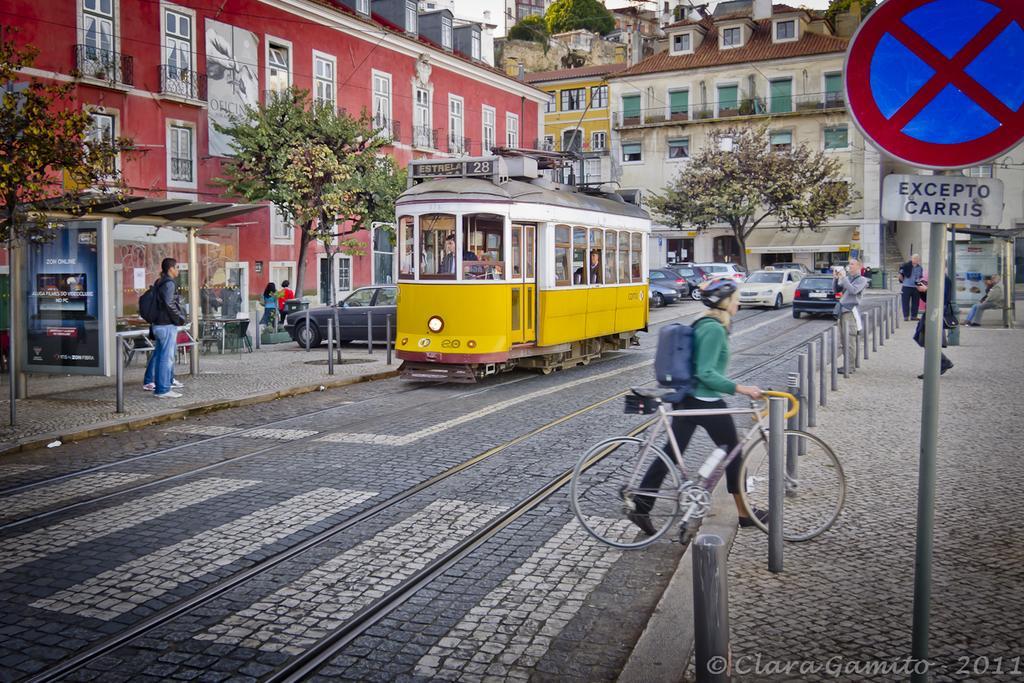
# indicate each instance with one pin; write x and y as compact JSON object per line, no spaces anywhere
{"x":929,"y":442}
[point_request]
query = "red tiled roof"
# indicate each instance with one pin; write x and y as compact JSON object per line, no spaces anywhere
{"x":759,"y":48}
{"x":581,"y":72}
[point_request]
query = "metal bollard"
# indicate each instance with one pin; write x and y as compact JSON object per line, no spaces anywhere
{"x":330,"y":346}
{"x":865,"y":333}
{"x":874,"y":330}
{"x":337,"y":326}
{"x":856,"y":353}
{"x":369,"y":332}
{"x":811,"y":387}
{"x":307,"y":330}
{"x":119,"y":371}
{"x":880,"y":325}
{"x":710,"y":608}
{"x":834,"y":338}
{"x":846,"y":347}
{"x":792,"y":443}
{"x":254,"y":324}
{"x":776,"y":480}
{"x":896,"y":314}
{"x":388,"y":338}
{"x":822,"y":387}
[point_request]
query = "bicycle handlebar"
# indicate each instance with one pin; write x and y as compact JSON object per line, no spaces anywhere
{"x":793,"y":401}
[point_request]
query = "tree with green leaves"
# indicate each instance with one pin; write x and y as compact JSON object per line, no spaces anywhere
{"x":737,"y":180}
{"x":572,"y":15}
{"x":840,"y":6}
{"x":532,"y":28}
{"x":49,"y":150}
{"x":319,"y":167}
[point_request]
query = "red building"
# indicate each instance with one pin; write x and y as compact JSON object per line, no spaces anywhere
{"x":162,"y":72}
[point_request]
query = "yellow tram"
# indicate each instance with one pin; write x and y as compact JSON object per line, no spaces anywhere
{"x":499,"y":268}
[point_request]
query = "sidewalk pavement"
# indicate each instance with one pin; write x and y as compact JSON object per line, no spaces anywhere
{"x":74,"y":407}
{"x":846,"y":599}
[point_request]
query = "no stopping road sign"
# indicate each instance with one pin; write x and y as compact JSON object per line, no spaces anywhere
{"x":939,"y":83}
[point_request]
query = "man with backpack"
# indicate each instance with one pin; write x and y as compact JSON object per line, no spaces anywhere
{"x":709,"y":357}
{"x":161,"y":308}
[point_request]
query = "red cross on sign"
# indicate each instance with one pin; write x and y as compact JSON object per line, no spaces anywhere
{"x":938,"y":83}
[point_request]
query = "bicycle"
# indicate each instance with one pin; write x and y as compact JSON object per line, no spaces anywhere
{"x":606,"y":479}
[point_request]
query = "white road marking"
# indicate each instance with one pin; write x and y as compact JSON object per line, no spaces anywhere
{"x":12,"y":507}
{"x":124,"y":588}
{"x":282,"y":434}
{"x":203,"y":430}
{"x":33,"y":545}
{"x":508,"y":631}
{"x":301,"y":613}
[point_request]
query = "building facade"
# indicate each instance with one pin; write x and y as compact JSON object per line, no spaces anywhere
{"x":778,"y":67}
{"x":164,"y":73}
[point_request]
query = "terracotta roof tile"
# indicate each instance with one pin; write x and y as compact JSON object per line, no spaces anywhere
{"x":581,"y":72}
{"x":759,"y":48}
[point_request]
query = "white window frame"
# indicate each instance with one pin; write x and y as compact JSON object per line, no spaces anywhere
{"x":270,"y":41}
{"x":411,"y":13}
{"x":278,"y":221}
{"x":459,"y":131}
{"x":511,"y":130}
{"x":115,"y":117}
{"x":672,"y":43}
{"x":668,"y":149}
{"x":375,"y":78}
{"x":446,"y":33}
{"x":287,"y":266}
{"x":594,"y":147}
{"x":622,"y":104}
{"x":318,"y":80}
{"x":727,"y":84}
{"x":549,"y":143}
{"x":193,"y":56}
{"x":668,"y":100}
{"x":416,"y":109}
{"x":171,"y":124}
{"x":849,"y":140}
{"x":339,"y":292}
{"x":606,"y":94}
{"x":488,"y":128}
{"x":792,"y":139}
{"x":582,"y":102}
{"x":476,"y":44}
{"x":775,"y":30}
{"x":721,"y":37}
{"x":552,"y":104}
{"x":824,"y":85}
{"x":622,"y":153}
{"x":115,"y":20}
{"x":363,"y":7}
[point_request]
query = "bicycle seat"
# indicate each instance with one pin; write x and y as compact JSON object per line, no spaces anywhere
{"x":660,"y":393}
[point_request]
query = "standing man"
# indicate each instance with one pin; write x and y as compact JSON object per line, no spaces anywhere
{"x":852,"y":284}
{"x":910,"y":274}
{"x":164,"y":331}
{"x":993,"y":299}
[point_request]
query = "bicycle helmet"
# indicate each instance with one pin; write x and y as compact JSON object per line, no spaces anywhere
{"x":717,"y":291}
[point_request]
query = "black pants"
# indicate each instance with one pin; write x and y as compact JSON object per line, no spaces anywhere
{"x":720,"y":428}
{"x":911,"y":302}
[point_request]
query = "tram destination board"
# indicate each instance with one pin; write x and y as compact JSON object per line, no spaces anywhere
{"x":463,"y":168}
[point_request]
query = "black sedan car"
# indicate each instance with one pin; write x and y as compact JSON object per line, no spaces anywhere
{"x":816,"y":294}
{"x":352,"y":313}
{"x":666,"y":277}
{"x":694,"y":276}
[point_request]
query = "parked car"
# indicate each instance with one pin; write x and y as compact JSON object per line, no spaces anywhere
{"x":694,"y":276}
{"x":720,"y":270}
{"x":666,"y":277}
{"x":817,"y":295}
{"x":792,"y":265}
{"x":352,"y":317}
{"x":769,"y":288}
{"x":662,"y":295}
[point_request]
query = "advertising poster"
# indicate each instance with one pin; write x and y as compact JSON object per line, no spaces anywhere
{"x":63,"y":304}
{"x":232,"y":84}
{"x":974,"y":261}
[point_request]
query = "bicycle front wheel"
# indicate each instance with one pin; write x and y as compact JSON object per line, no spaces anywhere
{"x":605,"y":489}
{"x":815,"y":489}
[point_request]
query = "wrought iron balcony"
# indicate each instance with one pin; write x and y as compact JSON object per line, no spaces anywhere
{"x":180,"y":82}
{"x":104,"y":65}
{"x":386,"y":128}
{"x":458,"y":145}
{"x":181,"y":169}
{"x":424,"y":137}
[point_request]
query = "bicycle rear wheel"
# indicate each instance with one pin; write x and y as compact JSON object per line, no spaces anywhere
{"x":815,"y":485}
{"x":606,"y":483}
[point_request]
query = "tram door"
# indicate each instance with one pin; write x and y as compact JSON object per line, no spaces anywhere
{"x":524,"y":287}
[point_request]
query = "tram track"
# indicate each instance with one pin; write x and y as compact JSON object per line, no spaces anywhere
{"x":363,"y":620}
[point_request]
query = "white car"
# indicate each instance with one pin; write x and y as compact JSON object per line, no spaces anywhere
{"x":734,"y":271}
{"x":769,"y":288}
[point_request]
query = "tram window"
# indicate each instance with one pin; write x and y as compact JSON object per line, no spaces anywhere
{"x":437,"y":259}
{"x":483,"y":244}
{"x":531,"y":248}
{"x":635,"y":255}
{"x":596,"y":247}
{"x":563,"y":246}
{"x":579,"y":256}
{"x":517,"y":251}
{"x":610,"y":244}
{"x":623,"y":257}
{"x":407,"y":248}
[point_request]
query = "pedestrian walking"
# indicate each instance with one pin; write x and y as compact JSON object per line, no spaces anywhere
{"x":910,"y":274}
{"x":710,"y":361}
{"x":992,"y":299}
{"x":286,"y":293}
{"x":948,"y":320}
{"x":269,"y":303}
{"x":163,"y":330}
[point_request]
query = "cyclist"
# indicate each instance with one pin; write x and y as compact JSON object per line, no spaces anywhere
{"x":710,"y":360}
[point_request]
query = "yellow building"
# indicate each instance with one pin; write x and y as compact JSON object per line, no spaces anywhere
{"x":576,"y":117}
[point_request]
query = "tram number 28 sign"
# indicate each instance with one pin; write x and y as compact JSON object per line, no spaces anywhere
{"x":942,"y":199}
{"x":937,"y":83}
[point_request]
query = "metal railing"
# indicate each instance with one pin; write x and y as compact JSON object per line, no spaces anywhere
{"x":458,"y":145}
{"x":424,"y":137}
{"x":180,"y":82}
{"x":104,"y":65}
{"x":181,"y":169}
{"x":386,"y":128}
{"x":748,"y":106}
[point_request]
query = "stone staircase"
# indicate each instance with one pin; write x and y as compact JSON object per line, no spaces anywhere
{"x":893,"y":259}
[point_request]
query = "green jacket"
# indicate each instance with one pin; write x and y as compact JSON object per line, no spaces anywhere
{"x":710,"y":360}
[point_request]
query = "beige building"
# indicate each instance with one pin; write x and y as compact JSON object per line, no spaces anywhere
{"x":775,"y":66}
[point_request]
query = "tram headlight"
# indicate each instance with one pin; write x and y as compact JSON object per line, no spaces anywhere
{"x":435,"y":324}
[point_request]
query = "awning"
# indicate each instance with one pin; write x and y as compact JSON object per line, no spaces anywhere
{"x":146,"y":234}
{"x":801,"y":241}
{"x":146,"y":210}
